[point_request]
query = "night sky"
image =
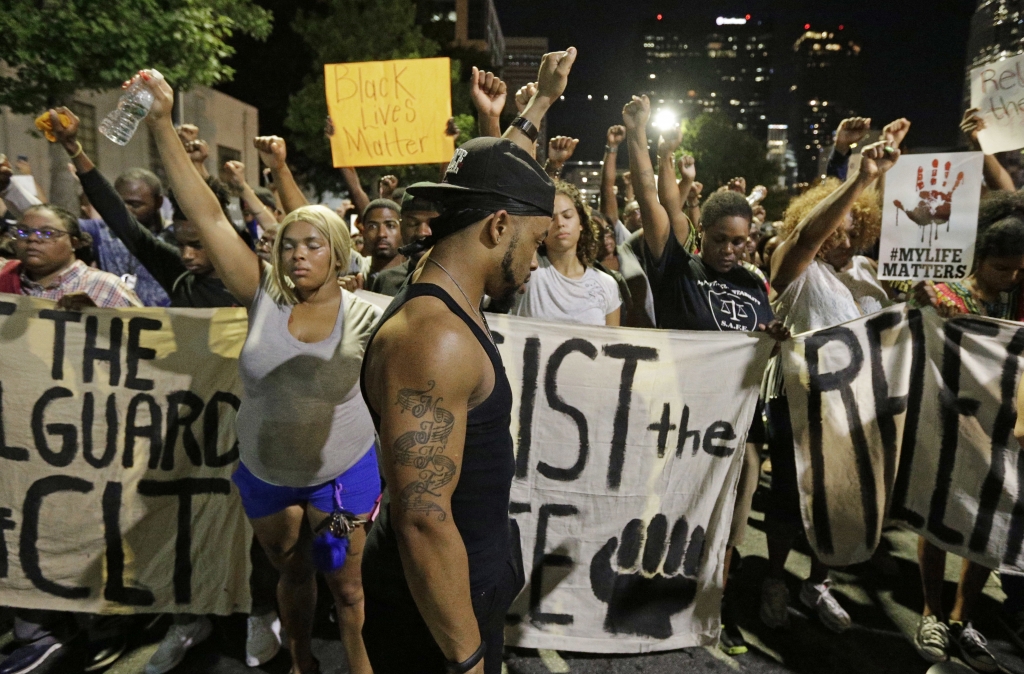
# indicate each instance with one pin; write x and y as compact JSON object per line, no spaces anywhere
{"x":913,"y":54}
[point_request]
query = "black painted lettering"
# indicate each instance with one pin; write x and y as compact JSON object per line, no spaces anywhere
{"x":184,"y":489}
{"x":28,"y":550}
{"x":6,"y":524}
{"x":211,"y":430}
{"x":91,"y":353}
{"x":543,"y":559}
{"x":720,"y":430}
{"x":60,"y":319}
{"x":151,"y":431}
{"x":630,"y":355}
{"x":686,"y":434}
{"x":915,"y":396}
{"x":663,"y":427}
{"x":556,"y":403}
{"x":88,"y":416}
{"x":115,"y":589}
{"x":137,"y":353}
{"x":176,"y":420}
{"x":886,"y":407}
{"x":6,"y":451}
{"x":67,"y":432}
{"x":527,"y":401}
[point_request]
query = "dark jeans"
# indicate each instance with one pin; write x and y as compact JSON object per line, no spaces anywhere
{"x":782,"y":514}
{"x":398,"y":641}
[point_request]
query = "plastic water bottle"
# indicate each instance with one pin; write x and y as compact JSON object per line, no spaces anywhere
{"x":134,"y":104}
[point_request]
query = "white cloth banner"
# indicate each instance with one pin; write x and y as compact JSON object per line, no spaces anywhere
{"x":997,"y":90}
{"x":907,"y":417}
{"x":628,"y":449}
{"x":930,"y":216}
{"x":117,"y":444}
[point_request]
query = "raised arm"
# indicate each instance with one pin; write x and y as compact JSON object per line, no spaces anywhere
{"x":560,"y":149}
{"x":996,"y":175}
{"x":488,"y":93}
{"x":359,"y":197}
{"x":237,"y":266}
{"x":799,"y":249}
{"x":423,"y":410}
{"x":653,"y":215}
{"x":551,"y":81}
{"x":236,"y":173}
{"x":609,"y":204}
{"x":668,"y":187}
{"x":274,"y":154}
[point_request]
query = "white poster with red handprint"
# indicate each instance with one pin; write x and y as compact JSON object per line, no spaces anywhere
{"x":930,"y":217}
{"x":997,"y":90}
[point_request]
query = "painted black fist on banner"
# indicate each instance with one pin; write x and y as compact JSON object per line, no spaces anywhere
{"x":643,"y":591}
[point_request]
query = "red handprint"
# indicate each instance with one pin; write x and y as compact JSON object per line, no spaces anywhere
{"x":935,"y":204}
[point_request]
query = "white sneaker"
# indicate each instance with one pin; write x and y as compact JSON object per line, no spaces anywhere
{"x":176,"y":643}
{"x":263,"y":640}
{"x":932,"y":639}
{"x":819,"y":597}
{"x":775,"y":603}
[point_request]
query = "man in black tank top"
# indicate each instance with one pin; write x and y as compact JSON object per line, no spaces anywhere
{"x":442,"y":563}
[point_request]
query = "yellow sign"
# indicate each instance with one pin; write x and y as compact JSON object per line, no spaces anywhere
{"x":390,"y":112}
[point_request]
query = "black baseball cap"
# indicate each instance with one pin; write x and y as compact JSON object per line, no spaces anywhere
{"x":414,"y":204}
{"x":494,"y":167}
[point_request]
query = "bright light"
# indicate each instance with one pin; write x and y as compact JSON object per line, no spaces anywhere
{"x":807,"y":26}
{"x":659,"y":17}
{"x":747,"y":17}
{"x":730,"y":21}
{"x":653,"y":76}
{"x":590,"y":97}
{"x":841,"y":26}
{"x":665,"y":119}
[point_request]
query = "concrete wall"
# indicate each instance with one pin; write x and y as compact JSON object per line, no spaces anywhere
{"x":223,"y":121}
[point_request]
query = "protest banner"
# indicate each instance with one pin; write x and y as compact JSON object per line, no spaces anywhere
{"x":387,"y":113}
{"x":997,"y":90}
{"x":117,"y":444}
{"x":930,"y":217}
{"x":906,"y":417}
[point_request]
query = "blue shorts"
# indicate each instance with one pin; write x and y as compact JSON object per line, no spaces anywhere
{"x":356,"y":489}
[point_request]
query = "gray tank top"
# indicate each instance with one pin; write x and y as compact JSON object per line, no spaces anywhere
{"x":302,"y":421}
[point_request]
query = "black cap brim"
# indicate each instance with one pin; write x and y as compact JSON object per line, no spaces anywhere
{"x":442,"y":191}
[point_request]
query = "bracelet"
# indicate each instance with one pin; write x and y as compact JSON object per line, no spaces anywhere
{"x":467,"y":664}
{"x":80,"y":150}
{"x":526,"y":126}
{"x":611,"y":149}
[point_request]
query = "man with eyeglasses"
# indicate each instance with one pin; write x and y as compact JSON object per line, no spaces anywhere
{"x":44,"y":242}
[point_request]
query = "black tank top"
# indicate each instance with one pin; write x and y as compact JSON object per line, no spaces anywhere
{"x":480,"y":501}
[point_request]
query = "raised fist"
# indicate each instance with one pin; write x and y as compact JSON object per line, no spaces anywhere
{"x":198,"y":151}
{"x":386,"y":186}
{"x":616,"y":134}
{"x":894,"y":132}
{"x":877,"y":158}
{"x":272,"y":150}
{"x":560,"y":149}
{"x":653,"y":576}
{"x":972,"y":124}
{"x":636,"y":113}
{"x":669,"y":141}
{"x":524,"y":95}
{"x":554,"y":72}
{"x":488,"y":93}
{"x":934,"y":205}
{"x":233,"y":174}
{"x":687,"y":168}
{"x":850,"y":131}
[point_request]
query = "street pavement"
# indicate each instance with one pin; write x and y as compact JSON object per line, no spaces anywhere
{"x":883,"y":598}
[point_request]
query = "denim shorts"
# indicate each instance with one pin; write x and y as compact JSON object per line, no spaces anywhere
{"x":356,"y":490}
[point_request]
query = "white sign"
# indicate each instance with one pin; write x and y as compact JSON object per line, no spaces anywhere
{"x":997,"y":90}
{"x":930,"y":216}
{"x":730,"y":21}
{"x":628,"y":449}
{"x":903,"y":416}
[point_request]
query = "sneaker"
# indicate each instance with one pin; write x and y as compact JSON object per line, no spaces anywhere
{"x":973,"y":647}
{"x":263,"y":640}
{"x":104,"y":652}
{"x":932,"y":639}
{"x":38,"y":657}
{"x":775,"y":603}
{"x":819,"y":597}
{"x":176,"y":643}
{"x":731,"y":640}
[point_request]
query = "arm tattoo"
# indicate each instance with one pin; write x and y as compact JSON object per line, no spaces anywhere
{"x":424,"y":449}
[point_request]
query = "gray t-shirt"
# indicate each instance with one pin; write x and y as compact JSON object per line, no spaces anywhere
{"x":551,"y":296}
{"x":303,"y":421}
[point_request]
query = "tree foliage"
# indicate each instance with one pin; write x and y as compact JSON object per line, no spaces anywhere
{"x":53,"y":48}
{"x":723,"y":152}
{"x":345,"y":31}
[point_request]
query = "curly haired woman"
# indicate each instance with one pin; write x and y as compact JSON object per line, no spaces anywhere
{"x":566,"y":287}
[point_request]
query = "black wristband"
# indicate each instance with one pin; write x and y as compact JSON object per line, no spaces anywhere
{"x":467,"y":664}
{"x":527,"y":127}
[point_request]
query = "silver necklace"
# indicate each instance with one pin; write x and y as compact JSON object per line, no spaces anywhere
{"x":479,"y":313}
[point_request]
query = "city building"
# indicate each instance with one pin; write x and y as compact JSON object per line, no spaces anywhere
{"x":827,"y":67}
{"x":465,"y":23}
{"x":721,"y":66}
{"x":227,"y":124}
{"x":522,"y":63}
{"x":997,"y":29}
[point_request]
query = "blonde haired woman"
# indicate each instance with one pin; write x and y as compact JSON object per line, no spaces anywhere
{"x":305,"y":436}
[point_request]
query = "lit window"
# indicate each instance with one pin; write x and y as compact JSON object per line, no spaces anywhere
{"x":652,"y":76}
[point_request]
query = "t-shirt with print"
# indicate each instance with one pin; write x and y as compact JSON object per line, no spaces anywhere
{"x":690,"y":295}
{"x":554,"y":297}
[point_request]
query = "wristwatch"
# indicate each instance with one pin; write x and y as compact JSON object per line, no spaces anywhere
{"x":527,"y":127}
{"x":611,"y":149}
